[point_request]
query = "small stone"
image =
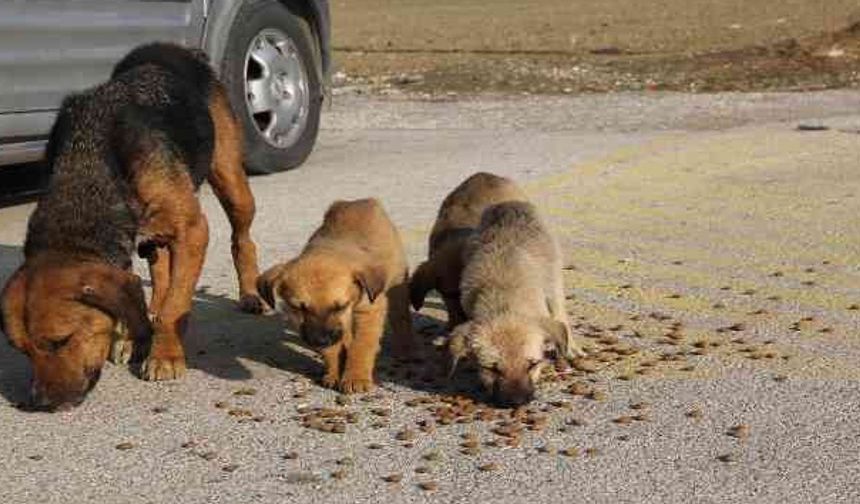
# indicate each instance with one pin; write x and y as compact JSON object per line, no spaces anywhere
{"x":246,"y":391}
{"x":290,"y":455}
{"x":695,"y":413}
{"x":124,"y":446}
{"x":570,"y":452}
{"x":374,"y":446}
{"x":209,"y":455}
{"x":393,"y":478}
{"x":339,"y":474}
{"x":230,"y":468}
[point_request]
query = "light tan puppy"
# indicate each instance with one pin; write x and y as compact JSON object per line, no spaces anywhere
{"x":337,"y":292}
{"x":512,"y":294}
{"x":457,"y":220}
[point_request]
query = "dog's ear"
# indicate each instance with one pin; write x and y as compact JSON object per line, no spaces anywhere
{"x":117,"y":293}
{"x":371,"y":281}
{"x":12,"y":303}
{"x":268,"y":282}
{"x":460,"y":344}
{"x":423,"y":280}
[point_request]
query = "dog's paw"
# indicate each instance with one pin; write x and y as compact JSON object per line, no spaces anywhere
{"x":165,"y":362}
{"x":252,"y":303}
{"x":574,"y":351}
{"x":121,"y":351}
{"x":330,"y":381}
{"x":355,"y":385}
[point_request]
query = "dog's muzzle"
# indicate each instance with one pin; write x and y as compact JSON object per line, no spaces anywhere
{"x":320,"y":337}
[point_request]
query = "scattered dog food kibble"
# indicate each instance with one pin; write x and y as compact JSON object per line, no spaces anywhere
{"x":741,"y":431}
{"x":393,"y":478}
{"x":488,"y":467}
{"x":570,"y":452}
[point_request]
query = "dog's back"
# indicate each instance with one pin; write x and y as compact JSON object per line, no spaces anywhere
{"x":155,"y":102}
{"x":460,"y":212}
{"x":511,"y":264}
{"x":458,"y":217}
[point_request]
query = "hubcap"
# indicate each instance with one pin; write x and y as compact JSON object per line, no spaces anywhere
{"x":276,"y":88}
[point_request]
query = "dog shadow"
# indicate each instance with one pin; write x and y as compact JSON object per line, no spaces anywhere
{"x":14,"y":368}
{"x":224,"y":340}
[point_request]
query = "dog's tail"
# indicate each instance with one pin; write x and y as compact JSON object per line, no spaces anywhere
{"x":190,"y":65}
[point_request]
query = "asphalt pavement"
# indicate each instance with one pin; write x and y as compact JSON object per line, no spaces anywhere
{"x":713,"y":271}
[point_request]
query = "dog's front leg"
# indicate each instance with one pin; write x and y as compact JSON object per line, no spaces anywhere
{"x":187,"y":251}
{"x":332,"y":358}
{"x":361,"y":353}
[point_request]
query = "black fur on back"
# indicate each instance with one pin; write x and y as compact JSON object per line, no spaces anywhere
{"x":189,"y":65}
{"x":157,"y":98}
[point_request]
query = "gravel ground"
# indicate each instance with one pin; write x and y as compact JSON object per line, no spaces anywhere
{"x":713,"y":274}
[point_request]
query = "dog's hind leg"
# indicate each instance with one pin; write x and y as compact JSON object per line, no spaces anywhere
{"x":558,"y":312}
{"x":230,"y":184}
{"x":403,"y":342}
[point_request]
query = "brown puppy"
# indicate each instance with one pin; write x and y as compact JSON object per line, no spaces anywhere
{"x":127,"y":158}
{"x":338,"y":291}
{"x":457,"y":220}
{"x":512,"y":294}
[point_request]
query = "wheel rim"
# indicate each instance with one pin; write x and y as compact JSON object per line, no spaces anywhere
{"x":276,"y":88}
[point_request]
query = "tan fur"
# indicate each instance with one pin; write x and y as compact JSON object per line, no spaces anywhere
{"x":337,"y":293}
{"x":512,"y":294}
{"x":456,"y":221}
{"x":60,"y":312}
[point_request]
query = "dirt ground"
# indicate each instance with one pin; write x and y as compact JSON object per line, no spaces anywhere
{"x":559,"y":46}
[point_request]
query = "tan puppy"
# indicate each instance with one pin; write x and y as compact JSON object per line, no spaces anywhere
{"x":458,"y":217}
{"x":512,"y":294}
{"x":338,"y":291}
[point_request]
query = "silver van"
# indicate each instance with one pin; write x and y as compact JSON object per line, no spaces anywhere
{"x":273,"y":56}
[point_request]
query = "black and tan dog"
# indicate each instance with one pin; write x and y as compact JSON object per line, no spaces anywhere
{"x":456,"y":222}
{"x":127,"y":158}
{"x":337,"y":293}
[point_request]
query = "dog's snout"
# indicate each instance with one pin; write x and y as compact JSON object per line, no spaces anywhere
{"x":320,"y":337}
{"x":511,"y":396}
{"x":43,"y":401}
